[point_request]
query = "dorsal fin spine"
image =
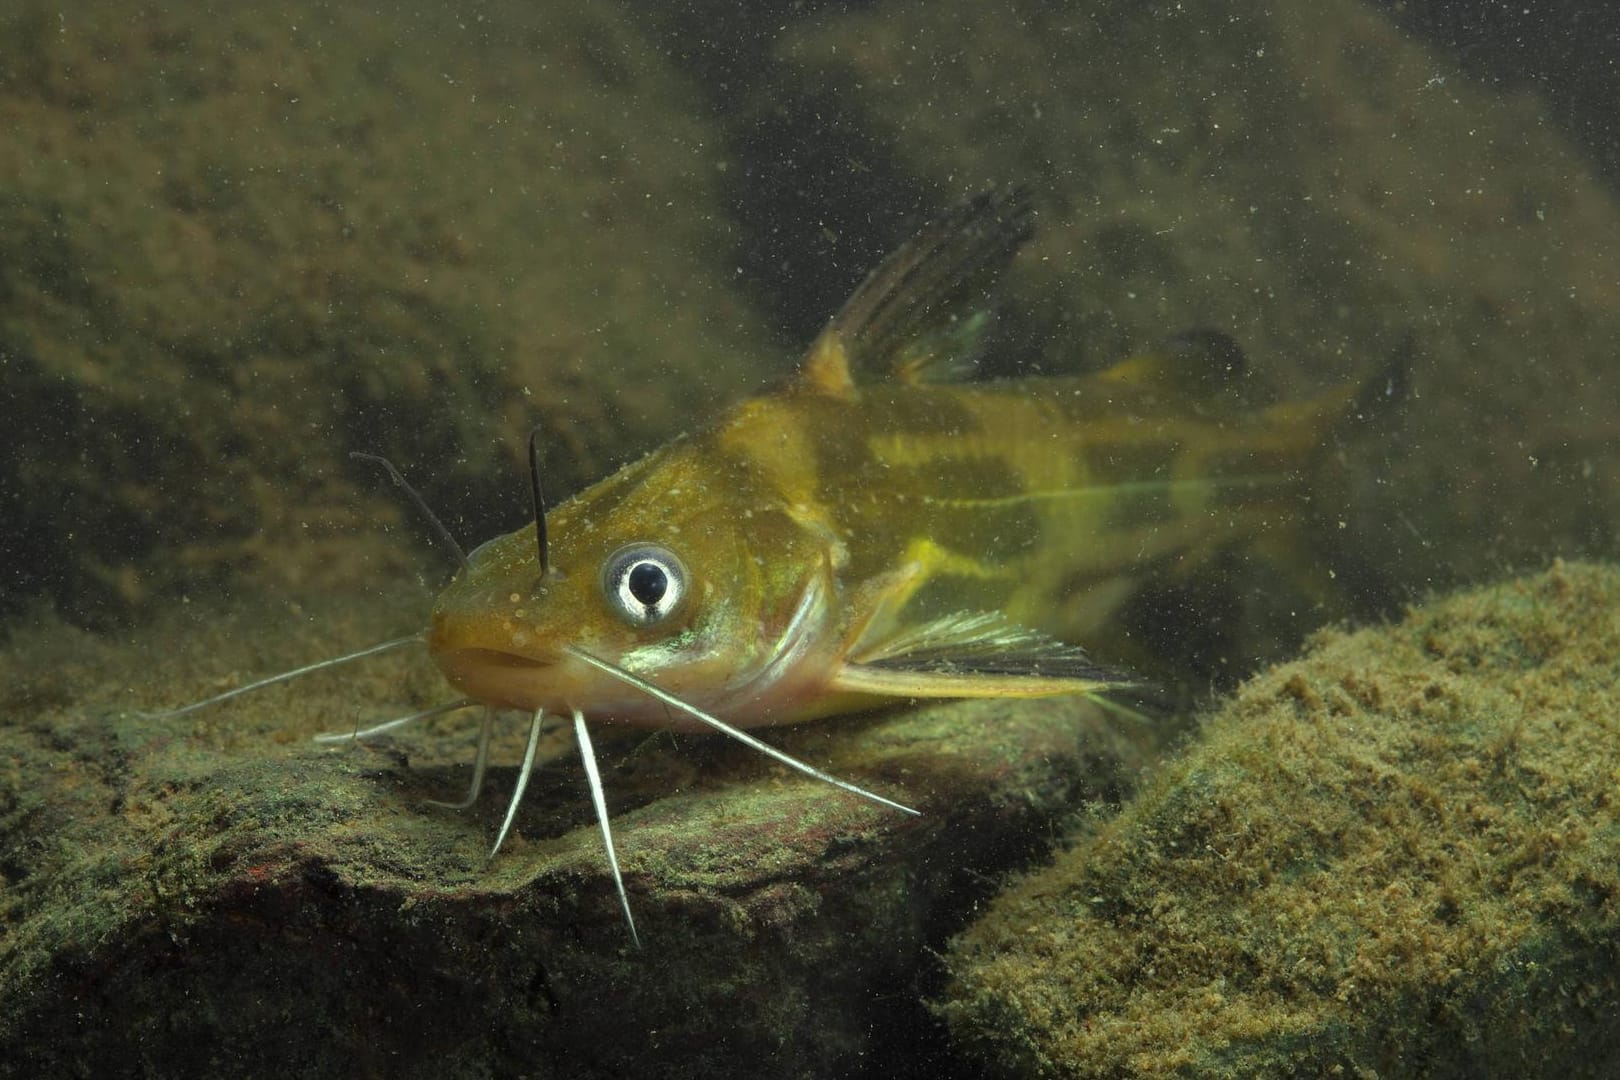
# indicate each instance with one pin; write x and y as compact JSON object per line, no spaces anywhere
{"x":911,"y":318}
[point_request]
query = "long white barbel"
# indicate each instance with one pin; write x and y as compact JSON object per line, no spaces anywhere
{"x":587,"y":753}
{"x":660,"y":694}
{"x":397,"y":722}
{"x":286,"y":676}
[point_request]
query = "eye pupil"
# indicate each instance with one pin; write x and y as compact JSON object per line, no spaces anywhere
{"x":647,"y":582}
{"x":644,"y":584}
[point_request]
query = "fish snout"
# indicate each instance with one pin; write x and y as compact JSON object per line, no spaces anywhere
{"x":495,"y":665}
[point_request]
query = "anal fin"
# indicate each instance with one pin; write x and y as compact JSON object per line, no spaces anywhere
{"x":972,"y":654}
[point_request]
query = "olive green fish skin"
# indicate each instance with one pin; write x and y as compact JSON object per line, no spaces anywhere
{"x":880,"y":530}
{"x":1046,"y":500}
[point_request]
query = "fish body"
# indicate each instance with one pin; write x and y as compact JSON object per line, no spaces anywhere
{"x":881,"y":529}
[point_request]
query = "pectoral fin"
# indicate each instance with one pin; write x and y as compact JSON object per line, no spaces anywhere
{"x":972,"y":654}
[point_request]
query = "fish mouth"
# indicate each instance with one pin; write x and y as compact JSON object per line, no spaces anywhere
{"x":502,"y":679}
{"x":498,"y":659}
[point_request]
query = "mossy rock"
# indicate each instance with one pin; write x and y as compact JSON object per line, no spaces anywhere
{"x":1398,"y":856}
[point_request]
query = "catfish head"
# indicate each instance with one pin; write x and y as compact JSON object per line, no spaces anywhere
{"x":683,"y":572}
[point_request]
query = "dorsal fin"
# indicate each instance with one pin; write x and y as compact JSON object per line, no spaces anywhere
{"x":914,"y":318}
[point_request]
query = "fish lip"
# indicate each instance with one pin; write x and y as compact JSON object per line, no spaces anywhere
{"x":497,"y":658}
{"x":503,"y":679}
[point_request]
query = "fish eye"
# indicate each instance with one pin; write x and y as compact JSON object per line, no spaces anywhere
{"x":643,"y":583}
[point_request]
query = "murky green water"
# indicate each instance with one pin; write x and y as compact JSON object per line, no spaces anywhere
{"x":239,"y":244}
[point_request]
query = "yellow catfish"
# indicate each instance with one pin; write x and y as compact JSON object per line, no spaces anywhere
{"x":880,"y":530}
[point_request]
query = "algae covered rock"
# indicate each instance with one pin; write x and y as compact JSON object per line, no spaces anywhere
{"x":1398,"y":856}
